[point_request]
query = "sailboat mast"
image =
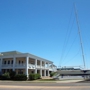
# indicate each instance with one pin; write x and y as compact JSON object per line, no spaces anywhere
{"x":80,"y":36}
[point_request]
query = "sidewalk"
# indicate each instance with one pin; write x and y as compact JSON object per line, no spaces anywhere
{"x":37,"y":81}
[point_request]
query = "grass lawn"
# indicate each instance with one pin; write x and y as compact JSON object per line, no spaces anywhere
{"x":46,"y":80}
{"x":87,"y":80}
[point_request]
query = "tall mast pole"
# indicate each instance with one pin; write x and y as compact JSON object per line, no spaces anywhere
{"x":80,"y":36}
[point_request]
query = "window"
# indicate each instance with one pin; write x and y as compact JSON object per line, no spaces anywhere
{"x":4,"y":62}
{"x":22,"y":62}
{"x":32,"y":71}
{"x":9,"y":62}
{"x":32,"y":62}
{"x":20,"y":71}
{"x":12,"y":62}
{"x":3,"y":70}
{"x":7,"y":70}
{"x":19,"y":61}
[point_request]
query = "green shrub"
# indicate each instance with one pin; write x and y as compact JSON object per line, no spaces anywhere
{"x":34,"y":76}
{"x":38,"y":76}
{"x":5,"y":76}
{"x":52,"y":74}
{"x":0,"y":77}
{"x":20,"y":77}
{"x":12,"y":75}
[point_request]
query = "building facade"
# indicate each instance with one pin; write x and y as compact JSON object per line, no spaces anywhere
{"x":25,"y":63}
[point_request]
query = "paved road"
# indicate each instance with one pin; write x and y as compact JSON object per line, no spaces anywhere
{"x":44,"y":86}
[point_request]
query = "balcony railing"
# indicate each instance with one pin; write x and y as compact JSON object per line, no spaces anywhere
{"x":30,"y":66}
{"x":7,"y":65}
{"x":20,"y":65}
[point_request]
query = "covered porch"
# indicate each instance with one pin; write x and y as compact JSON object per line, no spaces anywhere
{"x":42,"y":72}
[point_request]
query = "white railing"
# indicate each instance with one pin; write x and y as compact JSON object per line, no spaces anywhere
{"x":20,"y":65}
{"x":7,"y":65}
{"x":38,"y":66}
{"x":43,"y":67}
{"x":31,"y":66}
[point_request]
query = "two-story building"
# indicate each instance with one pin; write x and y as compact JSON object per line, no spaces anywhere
{"x":25,"y":63}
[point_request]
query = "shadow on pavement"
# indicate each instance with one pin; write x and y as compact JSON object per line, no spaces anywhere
{"x":84,"y":81}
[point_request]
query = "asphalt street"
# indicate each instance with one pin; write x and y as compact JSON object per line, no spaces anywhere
{"x":15,"y":85}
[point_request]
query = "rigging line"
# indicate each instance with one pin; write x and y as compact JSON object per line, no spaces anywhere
{"x":68,"y":36}
{"x":70,"y":33}
{"x":68,"y":40}
{"x":70,"y":47}
{"x":73,"y":57}
{"x":63,"y":49}
{"x":80,"y":36}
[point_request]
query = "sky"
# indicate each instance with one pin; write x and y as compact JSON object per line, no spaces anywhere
{"x":46,"y":28}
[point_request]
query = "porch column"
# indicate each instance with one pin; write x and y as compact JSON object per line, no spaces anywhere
{"x":45,"y":72}
{"x":14,"y":63}
{"x":44,"y":64}
{"x":52,"y":67}
{"x":48,"y":72}
{"x":41,"y":72}
{"x":27,"y":66}
{"x":35,"y":66}
{"x":48,"y":65}
{"x":35,"y":63}
{"x":1,"y":65}
{"x":40,"y":64}
{"x":35,"y":71}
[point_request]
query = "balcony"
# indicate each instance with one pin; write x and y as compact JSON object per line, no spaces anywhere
{"x":20,"y":65}
{"x":7,"y":65}
{"x":30,"y":66}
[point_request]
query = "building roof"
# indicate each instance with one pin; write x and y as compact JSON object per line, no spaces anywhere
{"x":9,"y":53}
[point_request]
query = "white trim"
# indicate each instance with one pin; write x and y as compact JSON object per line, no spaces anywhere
{"x":45,"y":72}
{"x":14,"y":62}
{"x":27,"y":59}
{"x":35,"y":63}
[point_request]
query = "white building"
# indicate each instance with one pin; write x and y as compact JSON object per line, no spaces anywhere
{"x":25,"y":63}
